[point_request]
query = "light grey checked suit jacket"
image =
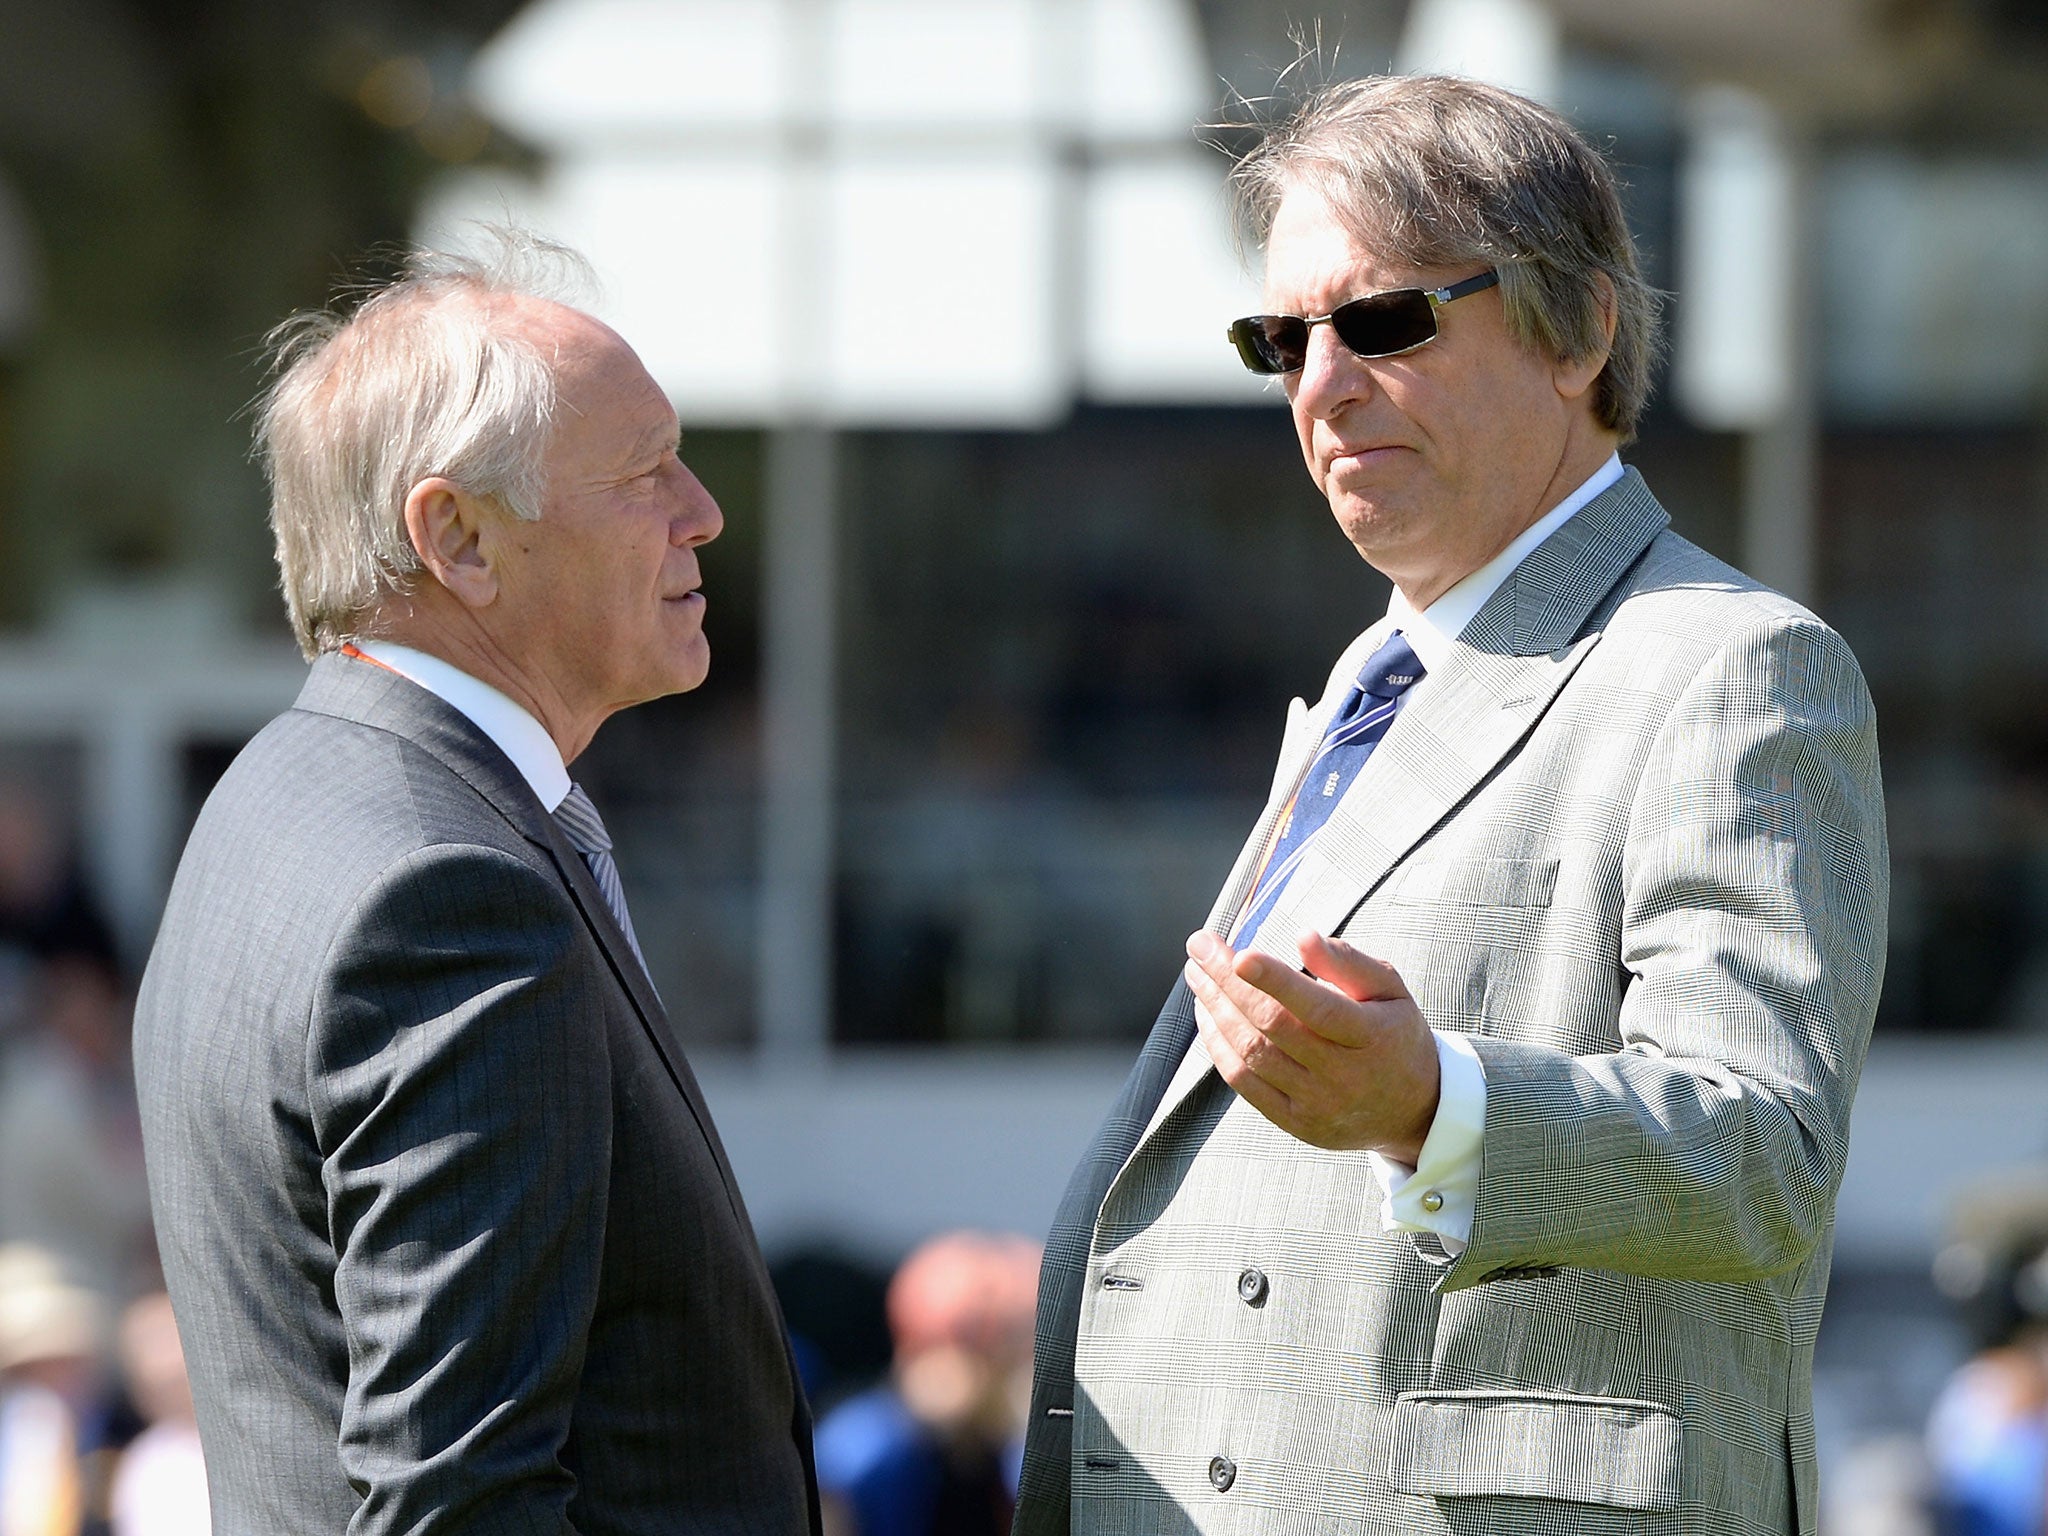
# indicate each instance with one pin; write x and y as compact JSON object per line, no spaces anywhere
{"x":451,"y":1239}
{"x":1630,"y":839}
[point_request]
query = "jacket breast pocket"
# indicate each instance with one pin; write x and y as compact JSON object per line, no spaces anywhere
{"x":1614,"y":1451}
{"x":1479,"y":883}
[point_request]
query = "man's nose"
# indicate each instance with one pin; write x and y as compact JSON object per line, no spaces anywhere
{"x":1332,"y":375}
{"x":697,"y":518}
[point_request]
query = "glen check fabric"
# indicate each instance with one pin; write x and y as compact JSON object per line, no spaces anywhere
{"x":585,"y":828}
{"x":1630,"y":840}
{"x":1359,"y":724}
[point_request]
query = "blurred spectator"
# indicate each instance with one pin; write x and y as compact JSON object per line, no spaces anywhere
{"x":836,"y":1308}
{"x":159,"y":1486}
{"x":49,"y":1346}
{"x":933,"y":1451}
{"x":71,"y":1176}
{"x":1987,"y":1438}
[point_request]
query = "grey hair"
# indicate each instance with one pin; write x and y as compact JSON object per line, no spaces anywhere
{"x":1434,"y":171}
{"x":422,"y":377}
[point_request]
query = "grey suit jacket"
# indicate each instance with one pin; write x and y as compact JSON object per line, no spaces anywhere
{"x":452,"y":1242}
{"x":1630,"y":840}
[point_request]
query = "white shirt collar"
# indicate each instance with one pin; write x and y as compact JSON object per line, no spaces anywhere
{"x":1432,"y":631}
{"x":517,"y":734}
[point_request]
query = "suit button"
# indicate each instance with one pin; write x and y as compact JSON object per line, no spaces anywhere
{"x":1433,"y":1202}
{"x":1222,"y":1473}
{"x":1252,"y":1287}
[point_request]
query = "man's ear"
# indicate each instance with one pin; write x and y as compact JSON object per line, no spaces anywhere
{"x":1576,"y":375}
{"x":445,"y":525}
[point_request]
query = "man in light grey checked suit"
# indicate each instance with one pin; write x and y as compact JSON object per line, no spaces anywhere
{"x":452,"y":1242}
{"x":1479,"y":1174}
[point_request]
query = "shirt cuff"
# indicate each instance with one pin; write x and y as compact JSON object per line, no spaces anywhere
{"x":1438,"y":1193}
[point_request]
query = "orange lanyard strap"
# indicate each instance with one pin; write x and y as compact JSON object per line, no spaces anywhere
{"x":349,"y":649}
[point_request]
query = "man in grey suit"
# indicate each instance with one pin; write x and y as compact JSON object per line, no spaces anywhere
{"x":452,"y":1242}
{"x":1479,"y":1174}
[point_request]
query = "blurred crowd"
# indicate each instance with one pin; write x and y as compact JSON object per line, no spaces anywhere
{"x":96,"y":1429}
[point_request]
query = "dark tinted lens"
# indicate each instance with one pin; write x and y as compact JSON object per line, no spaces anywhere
{"x":1382,"y":324}
{"x":1271,"y":343}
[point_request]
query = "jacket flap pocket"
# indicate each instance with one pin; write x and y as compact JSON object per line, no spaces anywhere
{"x":1540,"y":1445}
{"x":1480,"y":882}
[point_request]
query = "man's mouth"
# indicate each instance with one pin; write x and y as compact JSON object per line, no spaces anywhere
{"x":1364,"y":453}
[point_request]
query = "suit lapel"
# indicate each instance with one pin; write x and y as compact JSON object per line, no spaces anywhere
{"x":1443,"y":745}
{"x":1195,"y":1069}
{"x":376,"y":696}
{"x":611,"y":939}
{"x":1503,"y":673}
{"x":604,"y":927}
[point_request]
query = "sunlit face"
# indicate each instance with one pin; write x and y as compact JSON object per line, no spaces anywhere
{"x":1434,"y":460}
{"x":601,"y":607}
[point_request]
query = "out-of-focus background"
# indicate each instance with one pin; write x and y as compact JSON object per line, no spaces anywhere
{"x":1020,"y":569}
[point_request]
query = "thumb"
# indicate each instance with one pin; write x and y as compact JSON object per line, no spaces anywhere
{"x":1350,"y":970}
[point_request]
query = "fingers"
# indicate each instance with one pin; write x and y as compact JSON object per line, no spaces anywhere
{"x":1350,"y":970}
{"x":1246,"y":1081}
{"x":1243,"y":1028}
{"x":1341,"y":1058}
{"x":1342,"y":1004}
{"x":1282,"y":1024}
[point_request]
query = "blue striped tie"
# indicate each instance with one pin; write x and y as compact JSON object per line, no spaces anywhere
{"x":1383,"y":683}
{"x":585,"y":828}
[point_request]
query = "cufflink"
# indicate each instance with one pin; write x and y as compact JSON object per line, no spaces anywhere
{"x":1433,"y":1202}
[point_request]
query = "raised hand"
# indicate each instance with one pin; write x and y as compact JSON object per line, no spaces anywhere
{"x":1335,"y":1054}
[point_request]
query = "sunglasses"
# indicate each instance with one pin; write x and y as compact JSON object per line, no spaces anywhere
{"x":1378,"y":325}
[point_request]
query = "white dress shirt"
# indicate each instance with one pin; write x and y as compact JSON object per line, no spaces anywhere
{"x":516,"y":733}
{"x":1438,"y":1193}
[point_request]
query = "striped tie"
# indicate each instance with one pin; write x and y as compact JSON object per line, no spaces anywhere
{"x":1383,"y":682}
{"x":585,"y":828}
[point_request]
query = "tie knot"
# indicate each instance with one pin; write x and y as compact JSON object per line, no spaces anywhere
{"x":578,"y":817}
{"x":1391,"y":670}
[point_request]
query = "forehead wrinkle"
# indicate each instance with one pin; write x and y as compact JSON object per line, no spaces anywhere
{"x":1344,"y":266}
{"x":660,"y":435}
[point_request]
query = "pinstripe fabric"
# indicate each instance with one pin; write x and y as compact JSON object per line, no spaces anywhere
{"x":452,"y":1241}
{"x":1630,"y":839}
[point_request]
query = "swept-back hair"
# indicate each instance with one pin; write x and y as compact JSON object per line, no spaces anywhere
{"x":422,"y":376}
{"x":1435,"y":171}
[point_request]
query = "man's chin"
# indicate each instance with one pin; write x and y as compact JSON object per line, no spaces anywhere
{"x":677,"y":673}
{"x":690,"y":672}
{"x":1376,"y":530}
